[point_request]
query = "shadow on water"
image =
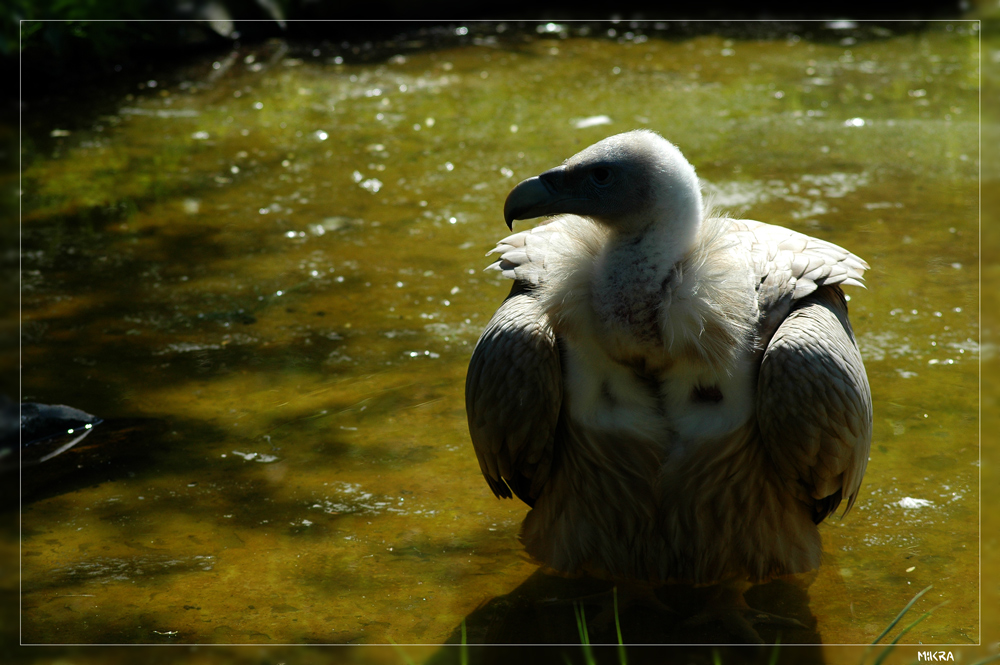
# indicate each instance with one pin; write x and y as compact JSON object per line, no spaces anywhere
{"x":635,"y":655}
{"x":147,"y":448}
{"x":106,"y":455}
{"x":540,"y":612}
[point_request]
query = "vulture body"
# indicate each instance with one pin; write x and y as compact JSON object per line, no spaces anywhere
{"x":678,"y":396}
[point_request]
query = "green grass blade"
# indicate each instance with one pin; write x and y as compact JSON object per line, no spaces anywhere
{"x":618,"y":627}
{"x":900,"y":615}
{"x":399,"y":650}
{"x":892,"y":645}
{"x":922,"y":617}
{"x":774,"y":652}
{"x":581,"y":627}
{"x":716,"y":659}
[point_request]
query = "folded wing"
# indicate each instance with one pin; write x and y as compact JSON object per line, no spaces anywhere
{"x":813,"y":399}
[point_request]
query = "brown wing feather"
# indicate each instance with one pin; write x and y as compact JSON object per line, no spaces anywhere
{"x":791,"y":265}
{"x":513,"y":395}
{"x":814,"y":403}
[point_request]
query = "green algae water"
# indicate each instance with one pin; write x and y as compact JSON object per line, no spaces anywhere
{"x":264,"y":271}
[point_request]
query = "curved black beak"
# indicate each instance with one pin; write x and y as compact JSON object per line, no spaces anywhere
{"x":536,"y":197}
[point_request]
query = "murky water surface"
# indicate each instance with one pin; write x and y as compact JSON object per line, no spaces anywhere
{"x":265,"y":273}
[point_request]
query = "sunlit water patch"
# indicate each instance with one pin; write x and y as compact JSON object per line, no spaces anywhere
{"x":268,"y":269}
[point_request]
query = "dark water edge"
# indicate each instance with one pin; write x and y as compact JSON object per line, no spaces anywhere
{"x":61,"y":58}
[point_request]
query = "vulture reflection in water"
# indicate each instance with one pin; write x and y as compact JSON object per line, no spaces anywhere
{"x":677,"y":395}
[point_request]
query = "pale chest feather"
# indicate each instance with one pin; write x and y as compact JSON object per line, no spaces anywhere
{"x":666,"y":344}
{"x":627,"y":300}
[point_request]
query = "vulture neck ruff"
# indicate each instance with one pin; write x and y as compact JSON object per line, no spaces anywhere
{"x":699,"y":306}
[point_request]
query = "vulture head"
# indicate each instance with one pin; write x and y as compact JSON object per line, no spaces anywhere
{"x":626,"y":182}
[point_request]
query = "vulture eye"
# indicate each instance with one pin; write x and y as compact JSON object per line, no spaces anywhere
{"x":601,"y":175}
